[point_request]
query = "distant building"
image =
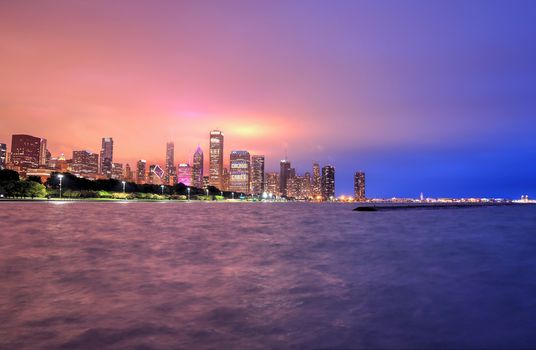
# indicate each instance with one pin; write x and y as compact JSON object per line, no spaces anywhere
{"x":206,"y":182}
{"x":328,"y":182}
{"x":272,"y":183}
{"x":197,"y":168}
{"x":226,"y":180}
{"x":141,"y":171}
{"x":306,"y":188}
{"x":117,"y":171}
{"x":239,"y":171}
{"x":43,"y":153}
{"x":3,"y":156}
{"x":284,"y":172}
{"x":316,"y":182}
{"x":25,"y":152}
{"x":128,"y":173}
{"x":156,"y":174}
{"x":85,"y":164}
{"x":216,"y":158}
{"x":359,"y":186}
{"x":170,"y":176}
{"x":257,"y":175}
{"x":106,"y":156}
{"x":184,"y":174}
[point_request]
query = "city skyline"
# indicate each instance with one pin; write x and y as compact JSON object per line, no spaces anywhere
{"x":448,"y":111}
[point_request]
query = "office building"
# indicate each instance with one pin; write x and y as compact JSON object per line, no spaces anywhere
{"x":117,"y":171}
{"x":272,"y":183}
{"x":328,"y":182}
{"x":226,"y":179}
{"x":128,"y":173}
{"x":284,"y":172}
{"x":316,"y":182}
{"x":25,"y":152}
{"x":197,"y":168}
{"x":216,"y":158}
{"x":141,"y":171}
{"x":359,"y":186}
{"x":239,"y":171}
{"x":170,"y":174}
{"x":156,"y":174}
{"x":257,"y":175}
{"x":106,"y":157}
{"x":184,"y":174}
{"x":3,"y":156}
{"x":85,"y":164}
{"x":43,"y":153}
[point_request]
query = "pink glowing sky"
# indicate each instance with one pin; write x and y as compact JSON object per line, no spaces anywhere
{"x":353,"y":83}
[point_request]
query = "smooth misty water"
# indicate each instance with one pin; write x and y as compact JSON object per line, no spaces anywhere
{"x":198,"y":275}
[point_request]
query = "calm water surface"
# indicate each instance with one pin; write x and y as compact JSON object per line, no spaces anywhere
{"x":200,"y":275}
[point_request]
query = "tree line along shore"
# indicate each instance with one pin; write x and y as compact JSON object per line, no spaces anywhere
{"x":73,"y":187}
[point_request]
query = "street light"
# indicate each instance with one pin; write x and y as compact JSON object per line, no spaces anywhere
{"x":232,"y":195}
{"x":124,"y":183}
{"x":162,"y":186}
{"x":60,"y":176}
{"x":221,"y":193}
{"x":188,"y":189}
{"x":207,"y":192}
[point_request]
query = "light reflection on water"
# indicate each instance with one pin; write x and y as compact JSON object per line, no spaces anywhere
{"x":295,"y":275}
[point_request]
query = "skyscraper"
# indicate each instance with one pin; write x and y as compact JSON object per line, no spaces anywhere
{"x":216,"y":158}
{"x":25,"y":152}
{"x":128,"y":173}
{"x":85,"y":164}
{"x":284,"y":172}
{"x":225,"y":180}
{"x":316,"y":182}
{"x":170,"y":176}
{"x":117,"y":171}
{"x":328,"y":182}
{"x":359,"y":186}
{"x":197,"y":168}
{"x":156,"y":174}
{"x":257,"y":174}
{"x":239,"y":171}
{"x":106,"y":156}
{"x":43,"y":153}
{"x":3,"y":155}
{"x":141,"y":170}
{"x":272,"y":183}
{"x":184,"y":174}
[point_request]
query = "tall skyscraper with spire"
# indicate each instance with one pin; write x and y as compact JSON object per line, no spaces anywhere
{"x":216,"y":159}
{"x":107,"y":156}
{"x":170,"y":174}
{"x":197,"y":168}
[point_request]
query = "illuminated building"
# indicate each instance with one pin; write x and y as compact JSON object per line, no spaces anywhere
{"x":216,"y":158}
{"x":272,"y":183}
{"x":206,"y":182}
{"x":306,"y":187}
{"x":3,"y":156}
{"x":184,"y":174}
{"x":85,"y":164}
{"x":141,"y":171}
{"x":170,"y":177}
{"x":226,"y":180}
{"x":328,"y":182}
{"x":43,"y":153}
{"x":25,"y":152}
{"x":257,"y":174}
{"x":117,"y":171}
{"x":316,"y":181}
{"x":284,"y":170}
{"x":359,"y":186}
{"x":156,"y":174}
{"x":106,"y":156}
{"x":239,"y":171}
{"x":128,"y":173}
{"x":197,"y":168}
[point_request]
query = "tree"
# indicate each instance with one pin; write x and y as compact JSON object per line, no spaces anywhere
{"x":34,"y":190}
{"x":8,"y":175}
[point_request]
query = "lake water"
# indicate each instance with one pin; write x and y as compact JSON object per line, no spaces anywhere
{"x":94,"y":275}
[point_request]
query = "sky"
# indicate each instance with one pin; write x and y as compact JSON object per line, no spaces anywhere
{"x":436,"y":97}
